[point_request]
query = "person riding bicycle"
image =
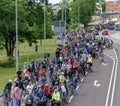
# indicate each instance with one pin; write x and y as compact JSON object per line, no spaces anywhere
{"x":110,"y":43}
{"x":56,"y":98}
{"x":29,"y":99}
{"x":90,"y":61}
{"x":63,"y":89}
{"x":64,"y":92}
{"x":47,"y":91}
{"x":62,"y":77}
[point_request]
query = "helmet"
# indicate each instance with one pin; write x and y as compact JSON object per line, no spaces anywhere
{"x":89,"y":55}
{"x":46,"y":84}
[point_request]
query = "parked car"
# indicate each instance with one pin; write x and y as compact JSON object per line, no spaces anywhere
{"x":105,"y":32}
{"x":111,"y":27}
{"x":117,"y":26}
{"x":95,"y":32}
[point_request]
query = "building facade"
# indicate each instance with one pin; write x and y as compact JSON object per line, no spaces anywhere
{"x":113,"y":6}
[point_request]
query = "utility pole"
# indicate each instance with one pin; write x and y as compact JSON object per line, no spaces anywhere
{"x":62,"y":14}
{"x":78,"y":15}
{"x":16,"y":5}
{"x":44,"y":26}
{"x":65,"y":19}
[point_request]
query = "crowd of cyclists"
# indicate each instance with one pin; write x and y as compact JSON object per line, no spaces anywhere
{"x":51,"y":81}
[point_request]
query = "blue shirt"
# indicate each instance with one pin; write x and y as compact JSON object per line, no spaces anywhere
{"x":40,"y":95}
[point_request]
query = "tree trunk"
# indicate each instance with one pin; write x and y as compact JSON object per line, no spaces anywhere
{"x":9,"y":46}
{"x":40,"y":42}
{"x":6,"y":47}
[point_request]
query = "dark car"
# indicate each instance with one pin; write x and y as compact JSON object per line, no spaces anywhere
{"x":95,"y":32}
{"x":111,"y":27}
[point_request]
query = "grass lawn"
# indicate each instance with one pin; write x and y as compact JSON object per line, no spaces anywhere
{"x":26,"y":55}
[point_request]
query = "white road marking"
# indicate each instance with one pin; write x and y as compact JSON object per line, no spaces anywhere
{"x":72,"y":95}
{"x":82,"y":79}
{"x":115,"y":77}
{"x":110,"y":53}
{"x":77,"y":87}
{"x":96,"y":84}
{"x":110,"y":83}
{"x":104,"y":64}
{"x":70,"y":99}
{"x":86,"y":73}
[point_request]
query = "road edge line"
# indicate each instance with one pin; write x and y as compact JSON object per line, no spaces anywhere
{"x":110,"y":83}
{"x":115,"y":77}
{"x":71,"y":97}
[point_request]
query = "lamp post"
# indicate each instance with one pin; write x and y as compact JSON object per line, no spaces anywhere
{"x":65,"y":20}
{"x":78,"y":15}
{"x":44,"y":26}
{"x":16,"y":11}
{"x":62,"y":17}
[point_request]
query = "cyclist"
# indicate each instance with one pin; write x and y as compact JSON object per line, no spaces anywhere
{"x":63,"y":90}
{"x":62,"y":77}
{"x":47,"y":92}
{"x":29,"y":99}
{"x":56,"y":98}
{"x":90,"y":61}
{"x":40,"y":93}
{"x":110,"y":43}
{"x":74,"y":82}
{"x":29,"y":87}
{"x":69,"y":69}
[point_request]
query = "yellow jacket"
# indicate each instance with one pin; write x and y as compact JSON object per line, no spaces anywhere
{"x":90,"y":60}
{"x":56,"y":96}
{"x":62,"y":78}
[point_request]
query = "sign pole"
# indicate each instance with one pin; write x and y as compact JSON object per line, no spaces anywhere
{"x":16,"y":4}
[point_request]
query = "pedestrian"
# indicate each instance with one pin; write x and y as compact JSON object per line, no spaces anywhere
{"x":6,"y":93}
{"x":36,"y":48}
{"x":29,"y":99}
{"x":15,"y":95}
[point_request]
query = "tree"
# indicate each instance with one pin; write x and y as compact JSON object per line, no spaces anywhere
{"x":7,"y":24}
{"x":103,"y":4}
{"x":36,"y":13}
{"x":30,"y":23}
{"x":65,"y":11}
{"x":59,"y":14}
{"x":86,"y":10}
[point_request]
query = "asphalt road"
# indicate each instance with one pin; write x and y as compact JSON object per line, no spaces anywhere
{"x":102,"y":86}
{"x":107,"y":94}
{"x":90,"y":95}
{"x":116,"y":100}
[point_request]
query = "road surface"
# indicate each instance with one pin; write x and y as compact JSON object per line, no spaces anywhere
{"x":102,"y":86}
{"x":106,"y":75}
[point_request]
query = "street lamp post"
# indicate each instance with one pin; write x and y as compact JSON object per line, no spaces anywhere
{"x":78,"y":15}
{"x":16,"y":11}
{"x":62,"y":17}
{"x":44,"y":26}
{"x":65,"y":19}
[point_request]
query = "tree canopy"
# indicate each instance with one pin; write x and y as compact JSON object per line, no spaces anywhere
{"x":85,"y":9}
{"x":30,"y":23}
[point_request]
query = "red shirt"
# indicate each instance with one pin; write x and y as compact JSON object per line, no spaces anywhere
{"x":42,"y":72}
{"x":47,"y":89}
{"x":27,"y":73}
{"x":70,"y":59}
